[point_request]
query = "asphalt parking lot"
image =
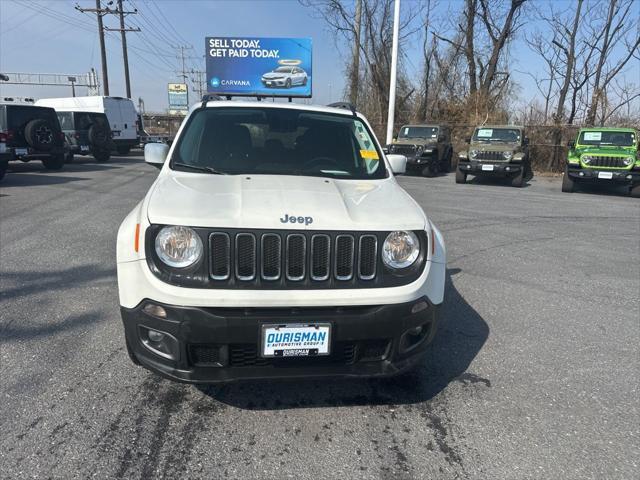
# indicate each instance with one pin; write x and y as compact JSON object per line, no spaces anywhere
{"x":535,"y":372}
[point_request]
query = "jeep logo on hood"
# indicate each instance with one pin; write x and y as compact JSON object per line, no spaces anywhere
{"x":291,"y":219}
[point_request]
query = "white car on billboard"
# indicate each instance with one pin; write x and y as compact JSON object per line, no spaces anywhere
{"x":285,"y":76}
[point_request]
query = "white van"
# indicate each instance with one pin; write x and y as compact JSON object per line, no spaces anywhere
{"x":121,"y":113}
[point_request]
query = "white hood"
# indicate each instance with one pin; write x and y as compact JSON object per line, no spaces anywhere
{"x":261,"y":201}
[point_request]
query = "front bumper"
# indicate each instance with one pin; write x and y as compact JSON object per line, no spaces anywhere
{"x":604,"y":175}
{"x":274,"y":83}
{"x":489,"y":168}
{"x":223,"y":344}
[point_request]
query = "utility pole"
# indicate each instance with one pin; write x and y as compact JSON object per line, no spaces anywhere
{"x":182,"y":48}
{"x":394,"y":71}
{"x":101,"y":12}
{"x":198,"y":82}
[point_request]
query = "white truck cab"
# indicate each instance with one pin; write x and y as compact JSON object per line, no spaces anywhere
{"x":276,"y":242}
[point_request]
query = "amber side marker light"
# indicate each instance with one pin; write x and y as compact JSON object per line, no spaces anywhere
{"x":136,"y":240}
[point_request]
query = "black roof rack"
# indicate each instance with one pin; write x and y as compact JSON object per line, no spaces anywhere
{"x":210,"y":97}
{"x":345,"y":105}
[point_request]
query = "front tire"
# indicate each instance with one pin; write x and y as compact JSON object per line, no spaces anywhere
{"x":568,"y":185}
{"x":634,"y":191}
{"x":461,"y":177}
{"x":3,"y":169}
{"x":101,"y":155}
{"x":55,"y":162}
{"x":68,"y":158}
{"x":287,"y":84}
{"x":431,"y":170}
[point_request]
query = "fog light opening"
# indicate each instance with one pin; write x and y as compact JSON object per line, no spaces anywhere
{"x":508,"y":169}
{"x":155,"y":336}
{"x":581,"y":174}
{"x":155,"y":310}
{"x":629,"y":177}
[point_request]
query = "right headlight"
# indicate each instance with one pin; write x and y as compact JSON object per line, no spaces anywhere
{"x":627,"y":161}
{"x":178,"y":247}
{"x":473,"y":153}
{"x":400,"y":249}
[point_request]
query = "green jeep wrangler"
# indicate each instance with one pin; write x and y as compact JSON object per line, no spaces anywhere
{"x":501,"y":151}
{"x":603,"y":155}
{"x":427,"y":147}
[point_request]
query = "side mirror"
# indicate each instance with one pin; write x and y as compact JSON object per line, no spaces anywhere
{"x":467,"y":140}
{"x":385,"y":150}
{"x":526,"y":141}
{"x":571,"y":144}
{"x":398,"y":163}
{"x":441,"y":138}
{"x":155,"y":154}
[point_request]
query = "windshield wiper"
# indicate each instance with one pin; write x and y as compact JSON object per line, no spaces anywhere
{"x":198,"y":168}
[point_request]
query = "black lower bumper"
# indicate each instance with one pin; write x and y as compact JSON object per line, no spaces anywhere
{"x":211,"y":345}
{"x":603,"y":175}
{"x":488,"y":168}
{"x":33,"y":154}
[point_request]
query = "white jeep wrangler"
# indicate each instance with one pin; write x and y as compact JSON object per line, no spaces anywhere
{"x":276,"y":242}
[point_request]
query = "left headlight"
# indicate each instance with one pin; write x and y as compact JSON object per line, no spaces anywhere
{"x":627,"y":161}
{"x":178,"y":247}
{"x":400,"y":249}
{"x":586,"y":159}
{"x":507,"y":155}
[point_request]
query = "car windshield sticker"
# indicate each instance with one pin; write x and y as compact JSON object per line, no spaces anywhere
{"x":593,"y":136}
{"x":406,"y":131}
{"x":370,"y":154}
{"x":485,"y":132}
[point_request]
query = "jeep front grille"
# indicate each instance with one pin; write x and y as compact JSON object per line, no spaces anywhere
{"x":297,"y":257}
{"x":489,"y":155}
{"x":403,"y":149}
{"x":605,"y":161}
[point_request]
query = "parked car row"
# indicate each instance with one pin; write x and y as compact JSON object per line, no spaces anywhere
{"x":54,"y":130}
{"x":597,"y":155}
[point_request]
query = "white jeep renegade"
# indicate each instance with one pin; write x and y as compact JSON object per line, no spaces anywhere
{"x":276,"y":242}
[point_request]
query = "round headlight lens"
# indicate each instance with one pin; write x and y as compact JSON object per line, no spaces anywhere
{"x":586,"y":159}
{"x":178,"y":247}
{"x":400,"y":249}
{"x":507,"y":155}
{"x":627,"y":161}
{"x":473,"y":153}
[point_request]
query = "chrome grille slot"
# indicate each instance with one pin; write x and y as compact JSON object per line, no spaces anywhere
{"x":271,"y":251}
{"x":367,"y":251}
{"x":245,"y":256}
{"x":296,"y":253}
{"x":344,"y":257}
{"x":320,"y":257}
{"x":219,"y":245}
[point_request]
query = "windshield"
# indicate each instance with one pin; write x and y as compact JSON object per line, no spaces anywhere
{"x":618,"y":139}
{"x":504,"y":135}
{"x":275,"y":141}
{"x":283,"y":70}
{"x":418,"y":132}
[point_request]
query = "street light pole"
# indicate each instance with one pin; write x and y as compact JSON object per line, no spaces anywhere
{"x":394,"y":69}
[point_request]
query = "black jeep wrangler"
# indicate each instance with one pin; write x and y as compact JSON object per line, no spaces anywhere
{"x":29,"y":133}
{"x":87,"y":133}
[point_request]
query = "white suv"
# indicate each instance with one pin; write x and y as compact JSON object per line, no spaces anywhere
{"x":276,"y":242}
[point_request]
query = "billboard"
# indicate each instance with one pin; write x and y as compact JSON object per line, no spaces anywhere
{"x":269,"y":67}
{"x":178,"y":98}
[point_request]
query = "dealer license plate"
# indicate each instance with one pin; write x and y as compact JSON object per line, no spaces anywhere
{"x":605,"y":175}
{"x":487,"y":168}
{"x":84,"y":148}
{"x":300,"y":340}
{"x":22,"y":151}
